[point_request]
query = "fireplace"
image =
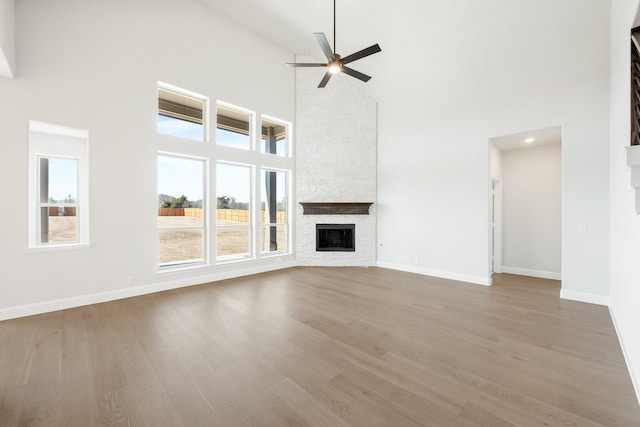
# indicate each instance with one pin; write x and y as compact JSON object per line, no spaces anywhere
{"x":335,"y":237}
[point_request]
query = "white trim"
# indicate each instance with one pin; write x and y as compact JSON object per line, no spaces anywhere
{"x":59,"y":130}
{"x":634,"y":379}
{"x":532,"y":273}
{"x":478,"y":280}
{"x":585,"y":297}
{"x":66,"y":303}
{"x":204,"y":260}
{"x":59,"y":247}
{"x":56,"y":141}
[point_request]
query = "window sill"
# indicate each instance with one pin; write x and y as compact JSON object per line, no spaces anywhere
{"x":175,"y":268}
{"x":58,"y":248}
{"x":233,"y":259}
{"x":268,"y":255}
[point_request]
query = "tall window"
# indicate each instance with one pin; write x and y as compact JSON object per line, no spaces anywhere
{"x":182,"y":113}
{"x":233,"y":127}
{"x":250,"y":164}
{"x":233,"y":219}
{"x":182,"y":231}
{"x":58,"y":201}
{"x":275,"y":208}
{"x":58,"y":186}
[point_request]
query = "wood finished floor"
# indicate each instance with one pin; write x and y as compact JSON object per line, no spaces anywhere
{"x":321,"y":347}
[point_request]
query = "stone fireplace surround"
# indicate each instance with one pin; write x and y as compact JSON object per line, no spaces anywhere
{"x":365,"y":240}
{"x":335,"y":208}
{"x":336,"y":158}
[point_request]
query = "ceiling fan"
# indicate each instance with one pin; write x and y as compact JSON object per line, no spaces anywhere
{"x":337,"y":64}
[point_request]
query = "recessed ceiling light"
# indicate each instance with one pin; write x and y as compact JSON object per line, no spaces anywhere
{"x":529,"y":140}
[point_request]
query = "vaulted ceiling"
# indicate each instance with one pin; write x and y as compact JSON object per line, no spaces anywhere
{"x":291,"y":24}
{"x":442,"y":53}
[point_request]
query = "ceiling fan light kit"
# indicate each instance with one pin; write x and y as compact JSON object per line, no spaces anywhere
{"x":335,"y":63}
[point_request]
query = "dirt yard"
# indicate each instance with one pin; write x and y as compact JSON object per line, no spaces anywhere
{"x":62,"y":229}
{"x":182,"y":245}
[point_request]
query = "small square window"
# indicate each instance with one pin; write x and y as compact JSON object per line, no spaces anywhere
{"x":181,"y":113}
{"x":274,"y":137}
{"x":233,"y":128}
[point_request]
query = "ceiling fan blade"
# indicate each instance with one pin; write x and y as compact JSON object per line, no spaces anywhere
{"x":295,"y":64}
{"x":357,"y":74}
{"x":324,"y":45}
{"x":325,"y":79}
{"x":361,"y":54}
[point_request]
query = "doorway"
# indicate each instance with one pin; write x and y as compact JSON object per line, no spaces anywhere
{"x":525,"y":202}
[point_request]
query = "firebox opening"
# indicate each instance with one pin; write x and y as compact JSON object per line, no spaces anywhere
{"x":336,"y":237}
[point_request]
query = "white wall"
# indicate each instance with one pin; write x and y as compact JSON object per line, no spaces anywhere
{"x":532,"y":211}
{"x":7,"y":39}
{"x":95,"y":66}
{"x":335,"y":162}
{"x":484,"y":69}
{"x":625,"y":224}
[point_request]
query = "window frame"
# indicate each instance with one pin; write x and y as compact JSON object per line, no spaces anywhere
{"x":247,"y":153}
{"x":190,"y":95}
{"x":252,"y":254}
{"x":287,"y":132}
{"x":250,"y":122}
{"x":52,"y":141}
{"x":204,"y":260}
{"x":288,"y":212}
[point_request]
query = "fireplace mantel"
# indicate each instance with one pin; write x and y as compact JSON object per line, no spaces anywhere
{"x":335,"y":208}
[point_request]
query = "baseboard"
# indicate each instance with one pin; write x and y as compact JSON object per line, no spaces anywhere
{"x":634,"y":379}
{"x":65,"y":303}
{"x":478,"y":280}
{"x":585,"y":297}
{"x":532,"y":273}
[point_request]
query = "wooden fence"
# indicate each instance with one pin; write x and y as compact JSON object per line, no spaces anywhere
{"x":237,"y":215}
{"x":67,"y":211}
{"x":194,"y":212}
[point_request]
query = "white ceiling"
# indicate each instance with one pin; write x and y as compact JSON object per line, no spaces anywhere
{"x":290,"y":24}
{"x":287,"y":23}
{"x":516,"y":141}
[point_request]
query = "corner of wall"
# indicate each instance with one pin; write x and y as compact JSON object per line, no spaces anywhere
{"x":585,"y":297}
{"x":7,"y":38}
{"x":635,"y":380}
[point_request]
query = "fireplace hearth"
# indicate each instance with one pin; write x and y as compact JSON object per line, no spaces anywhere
{"x":335,"y":237}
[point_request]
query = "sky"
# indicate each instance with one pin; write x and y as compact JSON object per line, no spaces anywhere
{"x":63,"y":178}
